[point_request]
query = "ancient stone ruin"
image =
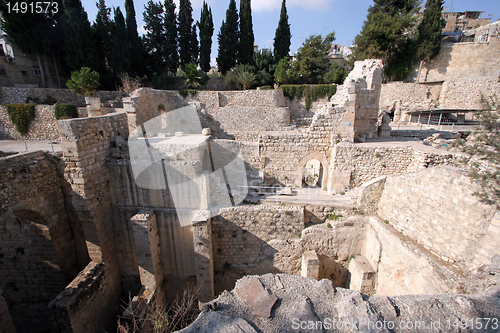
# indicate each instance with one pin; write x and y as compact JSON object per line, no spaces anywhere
{"x":319,"y":207}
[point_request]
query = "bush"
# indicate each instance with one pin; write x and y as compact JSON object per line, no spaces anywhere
{"x":65,"y":111}
{"x":21,"y":116}
{"x":266,"y":88}
{"x":164,"y":80}
{"x":83,"y":82}
{"x":311,"y":94}
{"x":129,"y":83}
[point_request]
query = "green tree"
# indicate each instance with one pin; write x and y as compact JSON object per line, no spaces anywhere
{"x":429,"y":30}
{"x":228,"y":38}
{"x":282,"y":36}
{"x":34,"y":32}
{"x":312,"y":63}
{"x":171,"y":47}
{"x":136,"y":55}
{"x":119,"y":60}
{"x":388,"y":34}
{"x":246,"y":33}
{"x":188,"y":42}
{"x":265,"y":67}
{"x":79,"y":42}
{"x":336,"y":74}
{"x":83,"y":82}
{"x":154,"y":39}
{"x":482,"y":150}
{"x":286,"y":72}
{"x":102,"y":33}
{"x":194,"y":78}
{"x":206,"y":26}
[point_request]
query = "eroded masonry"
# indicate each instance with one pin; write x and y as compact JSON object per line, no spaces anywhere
{"x":84,"y":231}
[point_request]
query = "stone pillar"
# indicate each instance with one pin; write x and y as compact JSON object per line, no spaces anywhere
{"x":6,"y":325}
{"x":384,"y":130}
{"x":142,"y":223}
{"x":202,"y":241}
{"x":310,"y":265}
{"x":362,"y":275}
{"x":94,"y":108}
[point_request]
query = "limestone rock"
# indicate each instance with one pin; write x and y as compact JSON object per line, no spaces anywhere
{"x":257,"y":297}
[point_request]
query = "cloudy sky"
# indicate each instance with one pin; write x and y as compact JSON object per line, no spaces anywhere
{"x":306,"y":17}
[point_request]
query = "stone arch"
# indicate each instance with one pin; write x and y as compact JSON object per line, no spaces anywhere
{"x":313,"y":156}
{"x":34,"y":276}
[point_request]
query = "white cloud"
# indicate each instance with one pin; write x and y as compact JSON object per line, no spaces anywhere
{"x":263,"y":5}
{"x":196,"y":4}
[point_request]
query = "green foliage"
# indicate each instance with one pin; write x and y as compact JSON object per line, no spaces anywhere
{"x":312,"y":63}
{"x":429,"y":30}
{"x":65,"y":111}
{"x":282,"y":36}
{"x":83,"y":82}
{"x":236,"y":78}
{"x":386,"y":221}
{"x":194,"y":77}
{"x":388,"y":34}
{"x":21,"y":116}
{"x":329,"y":225}
{"x":334,"y":216}
{"x":266,"y":88}
{"x":136,"y":56}
{"x":265,"y":67}
{"x":246,"y":33}
{"x":206,"y":26}
{"x":188,"y":42}
{"x":185,"y":93}
{"x":163,"y":80}
{"x":336,"y":74}
{"x":120,"y":48}
{"x":154,"y":38}
{"x":311,"y":94}
{"x":246,"y":79}
{"x":228,"y":36}
{"x":286,"y":72}
{"x":482,"y":150}
{"x":101,"y":29}
{"x":171,"y":47}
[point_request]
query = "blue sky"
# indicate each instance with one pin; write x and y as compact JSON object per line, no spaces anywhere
{"x":306,"y":17}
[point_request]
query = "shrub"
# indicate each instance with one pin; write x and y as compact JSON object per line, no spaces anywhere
{"x":21,"y":116}
{"x":65,"y":111}
{"x":311,"y":94}
{"x":266,"y":88}
{"x":84,"y":82}
{"x":129,"y":83}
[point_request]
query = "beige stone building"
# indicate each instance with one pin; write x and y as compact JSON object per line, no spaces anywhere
{"x":463,"y":21}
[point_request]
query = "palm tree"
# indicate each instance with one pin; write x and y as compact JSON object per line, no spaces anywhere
{"x":246,"y":79}
{"x":194,"y":78}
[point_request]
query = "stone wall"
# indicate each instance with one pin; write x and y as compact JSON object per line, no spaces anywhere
{"x":39,"y":248}
{"x":12,"y":95}
{"x":402,"y":97}
{"x":436,"y":208}
{"x":87,"y":143}
{"x":464,"y":61}
{"x":85,"y":305}
{"x":5,"y":318}
{"x":43,"y":127}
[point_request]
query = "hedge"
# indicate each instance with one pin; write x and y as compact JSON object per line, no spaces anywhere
{"x":65,"y":111}
{"x":21,"y":116}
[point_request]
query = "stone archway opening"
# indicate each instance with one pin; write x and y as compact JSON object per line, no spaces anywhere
{"x":312,"y":174}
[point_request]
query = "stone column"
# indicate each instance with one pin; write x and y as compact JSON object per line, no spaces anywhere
{"x":202,"y":241}
{"x":310,"y":265}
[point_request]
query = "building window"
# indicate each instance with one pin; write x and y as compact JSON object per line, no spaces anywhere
{"x":3,"y":72}
{"x":25,"y":73}
{"x":37,"y":71}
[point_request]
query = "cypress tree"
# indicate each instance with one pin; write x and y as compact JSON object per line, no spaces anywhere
{"x":246,"y":33}
{"x":154,"y":39}
{"x":119,"y":60}
{"x":79,"y":43}
{"x":188,"y":43}
{"x":429,"y":30}
{"x":102,"y":31}
{"x":228,"y":36}
{"x":282,"y":37}
{"x":133,"y":37}
{"x":388,"y":34}
{"x":206,"y":26}
{"x":171,"y":48}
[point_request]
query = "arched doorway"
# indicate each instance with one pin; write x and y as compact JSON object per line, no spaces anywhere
{"x":312,"y":174}
{"x":312,"y":171}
